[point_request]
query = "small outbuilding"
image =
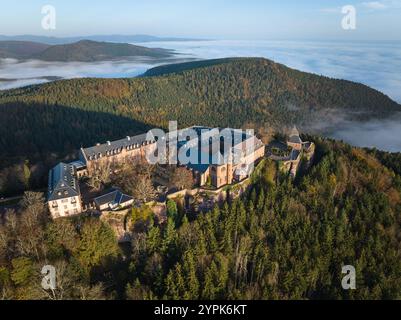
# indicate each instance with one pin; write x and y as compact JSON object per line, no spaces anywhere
{"x":113,"y":200}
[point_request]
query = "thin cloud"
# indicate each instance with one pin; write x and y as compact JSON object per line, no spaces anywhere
{"x":383,"y":135}
{"x":374,"y":5}
{"x":381,"y":5}
{"x":367,"y":5}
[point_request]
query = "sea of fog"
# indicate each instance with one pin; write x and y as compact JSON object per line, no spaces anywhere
{"x":376,"y":64}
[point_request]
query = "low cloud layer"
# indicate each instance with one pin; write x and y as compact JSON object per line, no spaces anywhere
{"x":377,"y":65}
{"x":14,"y":73}
{"x":384,"y":135}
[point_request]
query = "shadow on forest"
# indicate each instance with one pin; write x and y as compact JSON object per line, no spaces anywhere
{"x":34,"y":130}
{"x":47,"y":134}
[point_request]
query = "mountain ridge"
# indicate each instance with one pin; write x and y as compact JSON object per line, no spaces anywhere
{"x":252,"y":92}
{"x":106,"y":38}
{"x":81,"y":51}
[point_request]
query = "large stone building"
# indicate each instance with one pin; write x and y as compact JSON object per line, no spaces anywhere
{"x":116,"y":152}
{"x":64,"y":196}
{"x":223,"y":166}
{"x":227,"y":163}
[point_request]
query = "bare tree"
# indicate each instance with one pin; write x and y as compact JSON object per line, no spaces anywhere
{"x":181,"y":178}
{"x":144,"y":190}
{"x":65,"y":283}
{"x":30,"y":226}
{"x":136,"y":179}
{"x":95,"y":292}
{"x":100,"y":176}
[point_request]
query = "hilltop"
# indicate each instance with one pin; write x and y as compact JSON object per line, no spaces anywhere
{"x":102,"y":38}
{"x":59,"y":116}
{"x":21,"y":49}
{"x":82,"y":51}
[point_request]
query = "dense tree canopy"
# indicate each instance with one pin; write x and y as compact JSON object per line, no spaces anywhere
{"x":283,"y":239}
{"x":50,"y":122}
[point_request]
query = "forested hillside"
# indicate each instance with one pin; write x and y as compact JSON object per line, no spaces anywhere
{"x":283,"y":240}
{"x":20,"y":49}
{"x":84,"y":51}
{"x":61,"y":116}
{"x":230,"y":92}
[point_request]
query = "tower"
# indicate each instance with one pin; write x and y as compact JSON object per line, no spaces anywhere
{"x":294,"y":140}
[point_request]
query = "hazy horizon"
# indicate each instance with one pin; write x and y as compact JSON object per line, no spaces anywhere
{"x":305,"y":35}
{"x":210,"y":19}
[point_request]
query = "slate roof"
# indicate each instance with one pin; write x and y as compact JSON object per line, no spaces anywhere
{"x":116,"y":146}
{"x":62,"y":182}
{"x":294,"y":136}
{"x":203,"y":130}
{"x":114,"y":196}
{"x":294,"y":154}
{"x":215,"y":157}
{"x":78,"y":164}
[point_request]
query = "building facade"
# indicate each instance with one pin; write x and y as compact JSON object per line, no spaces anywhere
{"x":64,"y":196}
{"x":223,"y":166}
{"x":116,"y":152}
{"x":113,"y":200}
{"x":226,"y":165}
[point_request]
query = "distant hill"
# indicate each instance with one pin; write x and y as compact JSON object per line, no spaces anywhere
{"x":101,"y":38}
{"x":63,"y":115}
{"x":21,"y":49}
{"x":84,"y":50}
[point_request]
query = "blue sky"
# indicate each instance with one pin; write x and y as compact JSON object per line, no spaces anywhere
{"x":229,"y":19}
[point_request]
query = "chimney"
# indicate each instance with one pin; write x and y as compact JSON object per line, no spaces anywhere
{"x":128,"y":138}
{"x":108,"y":143}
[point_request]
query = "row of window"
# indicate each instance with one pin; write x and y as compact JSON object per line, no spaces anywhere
{"x":119,"y":150}
{"x":73,"y":202}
